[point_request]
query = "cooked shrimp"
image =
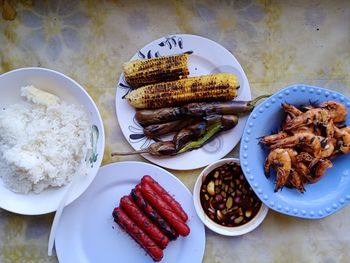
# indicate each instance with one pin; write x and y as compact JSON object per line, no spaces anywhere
{"x":296,"y":180}
{"x":292,"y":154}
{"x":347,"y":129}
{"x":302,"y":169}
{"x":308,"y":128}
{"x":337,"y":110}
{"x":315,"y":115}
{"x":328,"y":147}
{"x":273,"y":138}
{"x":300,"y":139}
{"x":304,"y":157}
{"x":292,"y":110}
{"x":320,"y":170}
{"x":280,"y":160}
{"x":344,"y":136}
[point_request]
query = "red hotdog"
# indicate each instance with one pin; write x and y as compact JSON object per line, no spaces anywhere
{"x":168,"y":230}
{"x":138,"y":234}
{"x":143,"y":222}
{"x":163,"y":208}
{"x":166,"y":196}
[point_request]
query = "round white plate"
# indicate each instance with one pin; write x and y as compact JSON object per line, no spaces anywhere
{"x":87,"y":232}
{"x":70,"y":91}
{"x":206,"y":57}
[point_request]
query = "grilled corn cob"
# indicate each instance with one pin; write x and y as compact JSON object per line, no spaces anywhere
{"x":148,"y":71}
{"x":217,"y":87}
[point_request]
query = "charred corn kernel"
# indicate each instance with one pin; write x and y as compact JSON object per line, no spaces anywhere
{"x":148,"y":71}
{"x":217,"y":87}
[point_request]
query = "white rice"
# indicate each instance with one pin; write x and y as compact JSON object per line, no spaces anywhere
{"x":42,"y":145}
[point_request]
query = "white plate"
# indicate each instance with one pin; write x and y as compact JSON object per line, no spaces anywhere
{"x":206,"y":57}
{"x":87,"y":232}
{"x":70,"y":91}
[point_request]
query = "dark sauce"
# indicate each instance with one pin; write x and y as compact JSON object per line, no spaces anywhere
{"x":227,"y":198}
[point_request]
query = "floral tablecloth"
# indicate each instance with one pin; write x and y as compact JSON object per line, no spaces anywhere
{"x":277,"y":42}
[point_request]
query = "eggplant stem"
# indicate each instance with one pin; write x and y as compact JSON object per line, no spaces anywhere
{"x":253,"y":102}
{"x":129,"y":153}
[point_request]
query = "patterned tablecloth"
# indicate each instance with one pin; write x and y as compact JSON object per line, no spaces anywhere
{"x":277,"y":42}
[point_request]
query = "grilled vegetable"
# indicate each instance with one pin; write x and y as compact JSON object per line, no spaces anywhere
{"x":227,"y":122}
{"x":147,"y":117}
{"x":225,"y":107}
{"x":195,"y":130}
{"x":148,"y":71}
{"x":163,"y":148}
{"x":218,"y":87}
{"x":160,"y":129}
{"x":189,"y":133}
{"x":167,"y":148}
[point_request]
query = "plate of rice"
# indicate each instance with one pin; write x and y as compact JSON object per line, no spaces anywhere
{"x":50,"y":132}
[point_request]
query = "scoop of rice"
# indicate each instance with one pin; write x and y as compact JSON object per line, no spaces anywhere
{"x":42,"y":144}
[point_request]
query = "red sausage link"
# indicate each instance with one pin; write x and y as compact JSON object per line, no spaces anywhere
{"x":143,"y":222}
{"x":163,"y":208}
{"x":166,"y":197}
{"x":168,"y":230}
{"x":137,"y":233}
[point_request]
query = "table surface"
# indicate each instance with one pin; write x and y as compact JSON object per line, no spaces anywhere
{"x":277,"y":43}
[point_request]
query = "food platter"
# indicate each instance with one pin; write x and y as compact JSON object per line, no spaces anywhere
{"x":95,"y":237}
{"x":48,"y":200}
{"x":329,"y":194}
{"x":206,"y":56}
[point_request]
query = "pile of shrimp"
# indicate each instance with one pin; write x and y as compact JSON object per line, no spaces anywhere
{"x":311,"y":136}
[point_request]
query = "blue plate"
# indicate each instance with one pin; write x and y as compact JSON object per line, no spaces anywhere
{"x":321,"y":199}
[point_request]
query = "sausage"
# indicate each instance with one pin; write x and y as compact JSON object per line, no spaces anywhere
{"x":143,"y":222}
{"x":165,"y":196}
{"x":168,"y":230}
{"x":163,"y":208}
{"x":137,"y":234}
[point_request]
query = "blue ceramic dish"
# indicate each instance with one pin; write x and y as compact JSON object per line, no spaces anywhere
{"x":321,"y":199}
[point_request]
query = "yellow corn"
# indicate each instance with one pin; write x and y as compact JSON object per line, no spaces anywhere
{"x":148,"y":71}
{"x":217,"y":87}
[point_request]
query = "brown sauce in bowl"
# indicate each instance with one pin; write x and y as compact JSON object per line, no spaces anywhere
{"x":227,"y":198}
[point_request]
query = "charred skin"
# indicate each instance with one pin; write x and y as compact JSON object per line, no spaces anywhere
{"x":153,"y":116}
{"x":127,"y":204}
{"x":155,"y":130}
{"x":163,"y":208}
{"x":137,"y":234}
{"x":165,"y":196}
{"x":143,"y":72}
{"x":168,"y":230}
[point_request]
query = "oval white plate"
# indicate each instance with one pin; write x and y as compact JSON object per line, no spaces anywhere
{"x":87,"y":232}
{"x":69,"y":90}
{"x":206,"y":57}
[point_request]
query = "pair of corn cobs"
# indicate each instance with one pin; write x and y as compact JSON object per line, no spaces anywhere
{"x":164,"y":82}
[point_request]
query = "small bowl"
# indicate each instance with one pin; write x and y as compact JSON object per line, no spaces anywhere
{"x":224,"y":230}
{"x":70,"y":91}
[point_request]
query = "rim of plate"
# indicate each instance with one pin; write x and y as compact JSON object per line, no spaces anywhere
{"x":167,"y":162}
